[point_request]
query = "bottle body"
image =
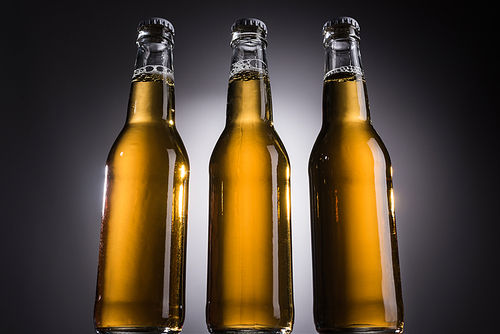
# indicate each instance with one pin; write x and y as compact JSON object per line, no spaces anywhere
{"x":356,"y":278}
{"x":249,"y":258}
{"x":141,"y":275}
{"x":355,"y":260}
{"x":250,"y":274}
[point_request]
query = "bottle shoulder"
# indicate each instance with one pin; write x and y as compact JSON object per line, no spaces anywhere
{"x":257,"y":141}
{"x":252,"y":134}
{"x":347,"y":133}
{"x":149,"y":139}
{"x":345,"y":141}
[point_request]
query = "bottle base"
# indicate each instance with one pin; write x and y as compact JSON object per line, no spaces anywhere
{"x":137,"y":330}
{"x":362,"y":330}
{"x":251,"y":331}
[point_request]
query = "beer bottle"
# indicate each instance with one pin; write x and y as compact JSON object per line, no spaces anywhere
{"x":141,"y":274}
{"x":249,"y":256}
{"x":357,"y":287}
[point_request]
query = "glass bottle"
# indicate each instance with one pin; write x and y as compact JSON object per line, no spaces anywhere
{"x":141,"y":275}
{"x":357,"y":287}
{"x":249,"y":256}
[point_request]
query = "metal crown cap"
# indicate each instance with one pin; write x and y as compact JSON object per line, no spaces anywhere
{"x":342,"y":20}
{"x":157,"y":21}
{"x":249,"y":22}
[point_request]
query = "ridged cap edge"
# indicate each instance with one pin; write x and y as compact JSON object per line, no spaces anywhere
{"x":158,"y":21}
{"x":249,"y":22}
{"x":342,"y":20}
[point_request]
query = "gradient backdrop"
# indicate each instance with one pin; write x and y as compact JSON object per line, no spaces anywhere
{"x":432,"y":74}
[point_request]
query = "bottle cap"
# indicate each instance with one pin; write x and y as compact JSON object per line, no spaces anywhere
{"x":342,"y":20}
{"x":157,"y":21}
{"x":340,"y":27}
{"x":249,"y":22}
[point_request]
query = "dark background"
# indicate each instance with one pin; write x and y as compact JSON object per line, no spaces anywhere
{"x":431,"y":69}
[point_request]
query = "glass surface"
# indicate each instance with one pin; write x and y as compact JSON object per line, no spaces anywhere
{"x":250,"y":274}
{"x":143,"y":234}
{"x":357,"y":285}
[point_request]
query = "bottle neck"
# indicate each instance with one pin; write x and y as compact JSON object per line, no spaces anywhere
{"x":345,"y":97}
{"x":152,"y":93}
{"x":249,"y":90}
{"x":342,"y":55}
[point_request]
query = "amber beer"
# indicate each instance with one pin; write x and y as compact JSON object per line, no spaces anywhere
{"x":143,"y":233}
{"x":250,"y":274}
{"x":357,"y":286}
